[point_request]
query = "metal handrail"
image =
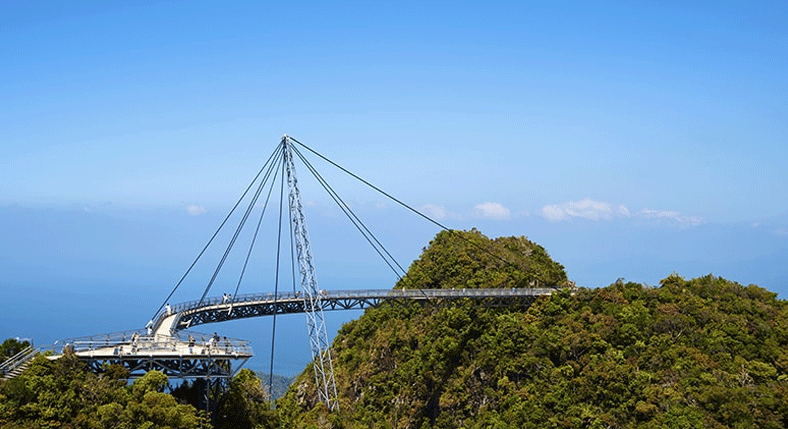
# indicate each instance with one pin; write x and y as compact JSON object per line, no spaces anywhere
{"x":372,"y":293}
{"x":17,"y":360}
{"x":416,"y":294}
{"x":147,"y":344}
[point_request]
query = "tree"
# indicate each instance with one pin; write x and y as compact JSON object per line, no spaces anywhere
{"x":704,"y":352}
{"x":245,"y":404}
{"x":12,"y":346}
{"x":63,"y":393}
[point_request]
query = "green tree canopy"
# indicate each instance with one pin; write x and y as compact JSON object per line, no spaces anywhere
{"x":10,"y":347}
{"x":61,"y":393}
{"x":468,"y":259}
{"x":697,"y":353}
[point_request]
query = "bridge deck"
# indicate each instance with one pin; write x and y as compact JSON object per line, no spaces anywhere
{"x":182,"y":355}
{"x":177,"y":353}
{"x":220,"y":309}
{"x":164,"y":347}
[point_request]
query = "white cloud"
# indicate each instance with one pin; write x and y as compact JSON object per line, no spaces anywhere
{"x":772,"y":228}
{"x":434,"y":211}
{"x":671,"y":215}
{"x":584,"y":209}
{"x":599,"y":210}
{"x":195,"y":210}
{"x":492,"y":211}
{"x":554,"y":213}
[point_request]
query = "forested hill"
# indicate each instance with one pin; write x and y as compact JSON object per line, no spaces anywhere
{"x":701,"y":353}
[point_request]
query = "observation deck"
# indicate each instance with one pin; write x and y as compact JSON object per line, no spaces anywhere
{"x":182,"y":355}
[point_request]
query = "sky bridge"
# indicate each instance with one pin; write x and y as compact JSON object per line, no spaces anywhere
{"x":220,"y":309}
{"x":167,"y":345}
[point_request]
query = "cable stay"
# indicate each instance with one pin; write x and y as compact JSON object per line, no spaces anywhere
{"x":226,"y":218}
{"x":406,"y":206}
{"x":237,"y":232}
{"x":355,"y":220}
{"x":254,"y":238}
{"x":280,"y":167}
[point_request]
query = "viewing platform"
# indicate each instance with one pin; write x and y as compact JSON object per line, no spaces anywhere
{"x":182,"y":355}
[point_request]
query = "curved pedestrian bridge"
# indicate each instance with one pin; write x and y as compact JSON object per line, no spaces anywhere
{"x":221,"y":309}
{"x":166,"y":345}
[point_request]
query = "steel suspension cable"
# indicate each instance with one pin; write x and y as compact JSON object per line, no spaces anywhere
{"x":166,"y":300}
{"x":276,"y":282}
{"x":254,"y":238}
{"x":349,"y":212}
{"x":237,"y":232}
{"x":372,"y":186}
{"x":391,"y":197}
{"x":357,"y":222}
{"x":355,"y":176}
{"x":344,"y":206}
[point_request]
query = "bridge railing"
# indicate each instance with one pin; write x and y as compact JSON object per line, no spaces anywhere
{"x":438,"y":293}
{"x":17,"y":360}
{"x":373,"y":293}
{"x":136,"y":342}
{"x":91,"y":342}
{"x":211,"y":301}
{"x":381,"y":294}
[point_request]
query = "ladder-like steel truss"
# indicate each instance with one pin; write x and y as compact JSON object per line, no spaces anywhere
{"x":318,"y":337}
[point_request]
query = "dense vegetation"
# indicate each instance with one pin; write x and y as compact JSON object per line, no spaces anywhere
{"x":468,"y":259}
{"x":700,"y":353}
{"x":687,"y":354}
{"x":62,"y":393}
{"x":12,"y":346}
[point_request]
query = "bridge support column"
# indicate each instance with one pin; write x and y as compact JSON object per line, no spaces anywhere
{"x":318,"y":337}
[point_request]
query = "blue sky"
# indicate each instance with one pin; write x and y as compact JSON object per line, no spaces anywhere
{"x":630,"y":140}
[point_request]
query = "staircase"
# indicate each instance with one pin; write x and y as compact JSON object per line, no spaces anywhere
{"x":17,"y":363}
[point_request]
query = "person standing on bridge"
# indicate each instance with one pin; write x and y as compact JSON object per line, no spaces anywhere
{"x":169,"y":310}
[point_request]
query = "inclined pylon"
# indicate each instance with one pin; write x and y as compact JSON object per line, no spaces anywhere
{"x":318,"y":337}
